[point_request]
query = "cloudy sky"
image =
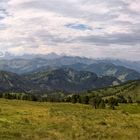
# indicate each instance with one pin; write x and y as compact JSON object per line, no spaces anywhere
{"x":91,"y":28}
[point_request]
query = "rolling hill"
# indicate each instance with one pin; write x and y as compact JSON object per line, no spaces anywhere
{"x":129,"y":89}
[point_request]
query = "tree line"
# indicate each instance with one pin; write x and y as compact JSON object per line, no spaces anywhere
{"x":96,"y":101}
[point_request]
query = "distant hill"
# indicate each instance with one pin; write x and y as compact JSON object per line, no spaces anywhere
{"x":135,"y":65}
{"x":129,"y":89}
{"x":22,"y":66}
{"x":28,"y":64}
{"x":10,"y":82}
{"x":69,"y":80}
{"x":107,"y":69}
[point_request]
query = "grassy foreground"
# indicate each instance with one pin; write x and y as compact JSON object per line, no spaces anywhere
{"x":23,"y":120}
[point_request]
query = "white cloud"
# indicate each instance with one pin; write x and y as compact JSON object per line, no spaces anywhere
{"x":38,"y":26}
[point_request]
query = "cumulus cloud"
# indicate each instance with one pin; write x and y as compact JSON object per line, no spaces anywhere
{"x":75,"y":27}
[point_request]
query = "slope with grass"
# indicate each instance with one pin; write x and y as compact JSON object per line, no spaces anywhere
{"x":129,"y":89}
{"x":58,"y":121}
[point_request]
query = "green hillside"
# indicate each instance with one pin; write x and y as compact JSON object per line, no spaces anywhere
{"x":23,"y":120}
{"x":130,"y":89}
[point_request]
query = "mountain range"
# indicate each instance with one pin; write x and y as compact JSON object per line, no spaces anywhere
{"x":66,"y":80}
{"x":48,"y":73}
{"x":24,"y":65}
{"x":135,"y":65}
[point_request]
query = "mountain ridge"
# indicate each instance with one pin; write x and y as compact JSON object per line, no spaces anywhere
{"x":66,"y":80}
{"x":22,"y":66}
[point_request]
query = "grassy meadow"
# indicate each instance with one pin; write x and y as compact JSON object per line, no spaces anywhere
{"x":26,"y":120}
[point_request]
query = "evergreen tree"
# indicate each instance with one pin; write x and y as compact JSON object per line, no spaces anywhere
{"x":85,"y":100}
{"x":113,"y":102}
{"x":102,"y":104}
{"x":93,"y":102}
{"x":74,"y":99}
{"x":121,"y":99}
{"x":130,"y":100}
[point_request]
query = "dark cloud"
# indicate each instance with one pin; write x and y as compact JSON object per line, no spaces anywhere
{"x":1,"y":54}
{"x":116,"y":38}
{"x":3,"y":10}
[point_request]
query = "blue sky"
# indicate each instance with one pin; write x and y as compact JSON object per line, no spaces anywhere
{"x":78,"y":26}
{"x":91,"y":28}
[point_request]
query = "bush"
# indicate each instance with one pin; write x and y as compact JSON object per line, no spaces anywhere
{"x":97,"y":102}
{"x":112,"y":102}
{"x":85,"y":100}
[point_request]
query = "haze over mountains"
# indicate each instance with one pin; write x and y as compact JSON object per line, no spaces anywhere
{"x":121,"y":62}
{"x":29,"y":62}
{"x":52,"y":72}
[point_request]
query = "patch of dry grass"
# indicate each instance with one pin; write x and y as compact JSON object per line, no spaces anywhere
{"x":60,"y":121}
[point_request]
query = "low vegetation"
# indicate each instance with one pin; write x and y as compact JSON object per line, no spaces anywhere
{"x":127,"y":90}
{"x":104,"y":114}
{"x":27,"y":120}
{"x":100,"y":98}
